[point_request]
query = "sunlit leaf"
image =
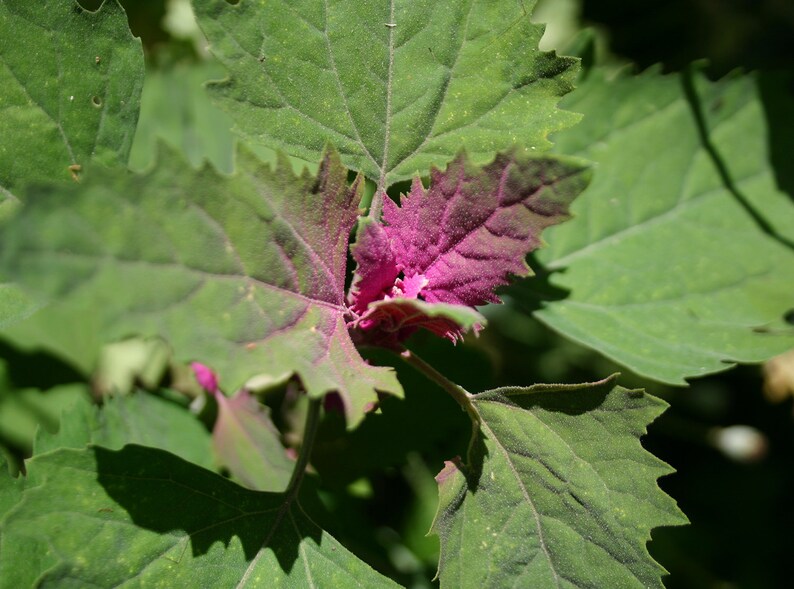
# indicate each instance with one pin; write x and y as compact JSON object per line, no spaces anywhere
{"x":395,"y":86}
{"x":668,"y":271}
{"x":558,"y":492}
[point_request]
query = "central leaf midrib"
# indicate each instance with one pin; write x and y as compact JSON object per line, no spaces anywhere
{"x":528,"y":499}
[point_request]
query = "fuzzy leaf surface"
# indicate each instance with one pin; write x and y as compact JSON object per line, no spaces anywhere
{"x":558,"y":492}
{"x":70,"y":83}
{"x":247,"y":443}
{"x":457,"y":241}
{"x":395,"y":86}
{"x":244,"y":272}
{"x":668,"y":273}
{"x":141,"y":517}
{"x":50,"y":81}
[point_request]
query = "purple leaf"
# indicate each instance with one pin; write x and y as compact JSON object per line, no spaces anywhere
{"x":460,"y":239}
{"x":247,"y":443}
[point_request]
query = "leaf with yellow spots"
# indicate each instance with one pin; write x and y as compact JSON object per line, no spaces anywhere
{"x":141,"y":517}
{"x":557,"y":492}
{"x":397,"y":87}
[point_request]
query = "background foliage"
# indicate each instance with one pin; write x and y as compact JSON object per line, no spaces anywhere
{"x":731,"y":157}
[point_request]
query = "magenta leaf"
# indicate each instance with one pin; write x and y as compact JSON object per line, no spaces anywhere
{"x":455,"y":242}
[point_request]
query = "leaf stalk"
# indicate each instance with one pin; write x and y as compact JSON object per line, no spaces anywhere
{"x":457,"y":392}
{"x":309,"y":435}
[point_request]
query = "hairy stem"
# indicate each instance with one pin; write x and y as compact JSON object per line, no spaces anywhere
{"x":457,"y":392}
{"x":376,"y":205}
{"x":309,"y":433}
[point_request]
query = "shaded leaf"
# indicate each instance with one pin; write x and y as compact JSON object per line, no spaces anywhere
{"x":395,"y":86}
{"x":244,"y":272}
{"x":139,"y":418}
{"x":144,"y":517}
{"x":558,"y":491}
{"x":247,"y":443}
{"x":668,"y":273}
{"x":461,"y":238}
{"x":24,"y":411}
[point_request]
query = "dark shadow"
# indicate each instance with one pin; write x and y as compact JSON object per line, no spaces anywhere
{"x":569,"y":399}
{"x":166,"y":494}
{"x":688,"y":86}
{"x":37,"y":369}
{"x":427,"y":421}
{"x":777,"y":99}
{"x":531,"y":294}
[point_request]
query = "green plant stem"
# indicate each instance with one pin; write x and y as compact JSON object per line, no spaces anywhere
{"x":457,"y":392}
{"x":376,"y":205}
{"x":309,"y":434}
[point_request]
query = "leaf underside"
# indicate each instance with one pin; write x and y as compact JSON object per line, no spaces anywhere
{"x":668,"y":273}
{"x":396,"y":87}
{"x":558,"y":492}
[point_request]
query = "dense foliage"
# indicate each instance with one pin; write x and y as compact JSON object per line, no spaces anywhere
{"x":228,"y":309}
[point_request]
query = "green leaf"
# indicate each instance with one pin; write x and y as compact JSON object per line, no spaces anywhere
{"x":10,"y":490}
{"x":24,"y":411}
{"x":395,"y":86}
{"x":141,"y":517}
{"x":558,"y":491}
{"x":175,"y":108}
{"x":668,"y":273}
{"x":139,"y":418}
{"x":70,"y":83}
{"x":245,"y":273}
{"x":15,"y":304}
{"x":247,"y":443}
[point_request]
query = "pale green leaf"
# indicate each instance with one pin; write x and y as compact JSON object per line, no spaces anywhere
{"x":243,"y":272}
{"x":558,"y":492}
{"x":394,"y":86}
{"x":668,"y":273}
{"x":141,"y":517}
{"x":138,"y":418}
{"x":175,"y":108}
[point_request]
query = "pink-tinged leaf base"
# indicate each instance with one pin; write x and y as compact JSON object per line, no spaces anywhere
{"x":247,"y":443}
{"x":456,"y":242}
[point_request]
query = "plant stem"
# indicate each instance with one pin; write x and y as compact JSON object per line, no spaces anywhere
{"x":376,"y":205}
{"x":309,"y":433}
{"x":457,"y":392}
